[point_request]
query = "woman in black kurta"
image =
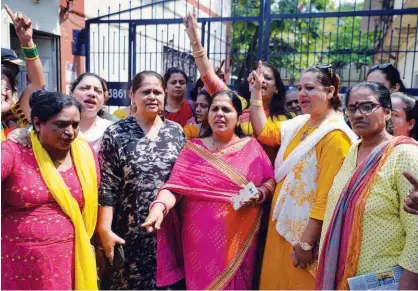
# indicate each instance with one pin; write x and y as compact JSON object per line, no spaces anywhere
{"x":134,"y":165}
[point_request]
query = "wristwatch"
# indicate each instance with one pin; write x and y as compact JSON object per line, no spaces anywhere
{"x":305,"y":246}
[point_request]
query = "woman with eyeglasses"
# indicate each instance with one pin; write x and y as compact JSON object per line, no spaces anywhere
{"x":404,"y":115}
{"x":388,"y":76}
{"x":312,"y":149}
{"x":366,"y":228}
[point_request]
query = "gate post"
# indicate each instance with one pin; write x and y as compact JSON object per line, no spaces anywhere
{"x":202,"y":36}
{"x":260,"y":30}
{"x":208,"y":46}
{"x":267,"y":17}
{"x":87,"y":44}
{"x":131,"y":51}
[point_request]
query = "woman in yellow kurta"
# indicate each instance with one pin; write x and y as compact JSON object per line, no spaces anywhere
{"x":312,"y":149}
{"x":376,"y":233}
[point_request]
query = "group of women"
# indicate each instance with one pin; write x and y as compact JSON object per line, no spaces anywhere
{"x":340,"y":206}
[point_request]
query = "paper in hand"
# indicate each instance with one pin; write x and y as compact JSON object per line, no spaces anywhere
{"x":244,"y":195}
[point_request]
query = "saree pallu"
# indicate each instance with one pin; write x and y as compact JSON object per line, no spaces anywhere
{"x":214,"y":246}
{"x":342,"y":241}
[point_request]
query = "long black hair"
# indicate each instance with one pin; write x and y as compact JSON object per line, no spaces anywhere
{"x":277,"y":104}
{"x":391,"y":74}
{"x":236,"y":102}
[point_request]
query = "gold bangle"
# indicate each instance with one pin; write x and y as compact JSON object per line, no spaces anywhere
{"x":32,"y":59}
{"x":199,"y":53}
{"x":28,"y":47}
{"x":258,"y":103}
{"x":200,"y":56}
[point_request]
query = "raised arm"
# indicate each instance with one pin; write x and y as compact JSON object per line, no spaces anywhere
{"x":209,"y":77}
{"x":24,"y":31}
{"x":258,"y":115}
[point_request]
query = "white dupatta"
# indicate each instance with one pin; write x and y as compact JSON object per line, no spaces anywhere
{"x":299,"y":172}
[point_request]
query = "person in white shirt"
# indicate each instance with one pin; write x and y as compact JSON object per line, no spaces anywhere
{"x":90,"y":90}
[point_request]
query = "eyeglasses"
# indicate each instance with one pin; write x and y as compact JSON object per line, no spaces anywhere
{"x":364,"y":108}
{"x":327,"y":68}
{"x":380,"y":66}
{"x":291,"y":102}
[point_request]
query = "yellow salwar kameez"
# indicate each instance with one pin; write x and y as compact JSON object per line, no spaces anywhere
{"x":389,"y":235}
{"x":277,"y":270}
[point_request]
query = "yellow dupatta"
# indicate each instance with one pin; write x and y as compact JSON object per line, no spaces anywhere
{"x":84,"y":223}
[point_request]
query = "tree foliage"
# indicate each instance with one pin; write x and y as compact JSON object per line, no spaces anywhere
{"x":299,"y":42}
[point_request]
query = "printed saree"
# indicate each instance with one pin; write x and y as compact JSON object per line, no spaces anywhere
{"x":342,"y":241}
{"x":214,"y":246}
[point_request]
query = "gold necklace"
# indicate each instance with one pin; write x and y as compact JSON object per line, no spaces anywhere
{"x":221,"y":149}
{"x":305,"y":132}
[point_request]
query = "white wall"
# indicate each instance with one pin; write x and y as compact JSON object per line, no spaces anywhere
{"x":45,"y":17}
{"x":151,"y":39}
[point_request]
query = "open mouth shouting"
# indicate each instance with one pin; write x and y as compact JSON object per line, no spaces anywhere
{"x":90,"y":103}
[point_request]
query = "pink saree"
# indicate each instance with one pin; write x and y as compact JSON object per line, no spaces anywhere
{"x":209,"y":244}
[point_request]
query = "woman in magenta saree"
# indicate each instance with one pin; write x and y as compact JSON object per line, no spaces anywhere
{"x":203,"y":239}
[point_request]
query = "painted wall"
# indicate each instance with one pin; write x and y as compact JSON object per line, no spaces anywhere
{"x":71,"y":65}
{"x":44,"y":17}
{"x":154,"y":43}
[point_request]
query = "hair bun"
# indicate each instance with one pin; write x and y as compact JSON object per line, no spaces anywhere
{"x":37,"y":96}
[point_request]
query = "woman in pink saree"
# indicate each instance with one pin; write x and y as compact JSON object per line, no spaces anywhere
{"x":203,"y":239}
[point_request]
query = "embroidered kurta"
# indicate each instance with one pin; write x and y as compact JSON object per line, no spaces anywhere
{"x":133,"y":168}
{"x":278,"y":271}
{"x":37,"y":246}
{"x":389,"y":234}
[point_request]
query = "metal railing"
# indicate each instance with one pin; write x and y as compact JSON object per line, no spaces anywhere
{"x":290,"y":34}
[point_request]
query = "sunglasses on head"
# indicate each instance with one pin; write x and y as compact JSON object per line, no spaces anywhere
{"x":327,"y":68}
{"x":380,"y":66}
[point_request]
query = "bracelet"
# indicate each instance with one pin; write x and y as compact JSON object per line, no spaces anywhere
{"x":258,"y":103}
{"x":199,"y":53}
{"x":30,"y":53}
{"x":262,"y":195}
{"x":165,"y":211}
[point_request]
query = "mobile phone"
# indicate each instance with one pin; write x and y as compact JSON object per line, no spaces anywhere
{"x":118,"y":257}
